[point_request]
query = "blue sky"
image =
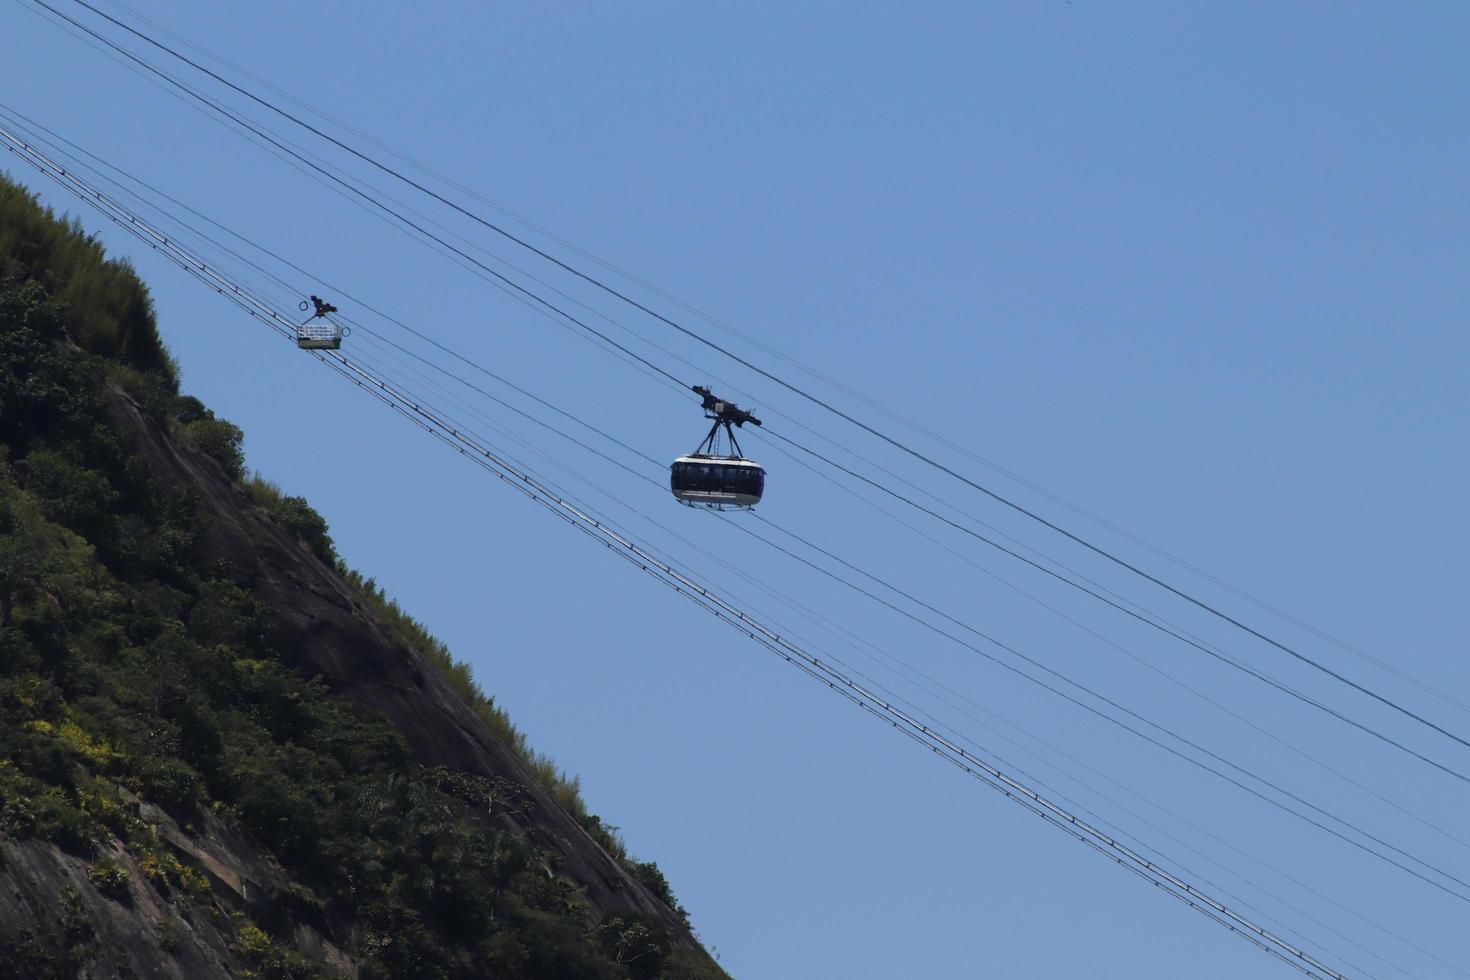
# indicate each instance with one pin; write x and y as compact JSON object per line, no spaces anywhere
{"x":1196,"y":269}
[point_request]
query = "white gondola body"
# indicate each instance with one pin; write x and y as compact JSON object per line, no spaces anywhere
{"x":319,"y":334}
{"x":717,"y":482}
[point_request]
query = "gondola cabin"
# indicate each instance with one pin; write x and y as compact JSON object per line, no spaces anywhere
{"x":320,"y":334}
{"x":717,"y":482}
{"x":709,"y":478}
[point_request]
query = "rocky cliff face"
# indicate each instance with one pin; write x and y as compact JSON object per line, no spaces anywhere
{"x":61,"y":917}
{"x":58,"y":917}
{"x":222,"y":756}
{"x":324,"y":629}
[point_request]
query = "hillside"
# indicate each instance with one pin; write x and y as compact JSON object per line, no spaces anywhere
{"x":222,"y":753}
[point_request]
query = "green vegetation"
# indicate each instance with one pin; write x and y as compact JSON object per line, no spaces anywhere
{"x":108,"y":309}
{"x":653,"y":879}
{"x":410,"y":632}
{"x":292,"y":513}
{"x":110,"y":878}
{"x":131,"y":670}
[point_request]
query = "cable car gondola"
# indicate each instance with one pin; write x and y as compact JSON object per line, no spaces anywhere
{"x":708,"y":478}
{"x":319,"y":332}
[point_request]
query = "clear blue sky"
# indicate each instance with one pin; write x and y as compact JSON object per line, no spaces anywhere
{"x":1197,"y":268}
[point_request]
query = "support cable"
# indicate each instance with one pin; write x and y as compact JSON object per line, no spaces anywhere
{"x":694,"y":335}
{"x":814,"y":666}
{"x":1181,"y":637}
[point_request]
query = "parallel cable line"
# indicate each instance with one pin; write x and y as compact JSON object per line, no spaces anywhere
{"x":932,"y":609}
{"x":592,"y":280}
{"x":1284,"y":743}
{"x":404,"y":404}
{"x":920,"y":713}
{"x":1289,"y":794}
{"x":858,"y":642}
{"x":852,"y":392}
{"x":1034,"y":663}
{"x":338,"y":290}
{"x":1109,"y":701}
{"x":1134,"y":714}
{"x":859,"y":694}
{"x":821,"y":670}
{"x":1086,"y":690}
{"x":366,"y":197}
{"x":759,"y":585}
{"x":793,"y":388}
{"x":335,"y":289}
{"x":1152,"y":740}
{"x":1181,"y":637}
{"x":1008,"y":551}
